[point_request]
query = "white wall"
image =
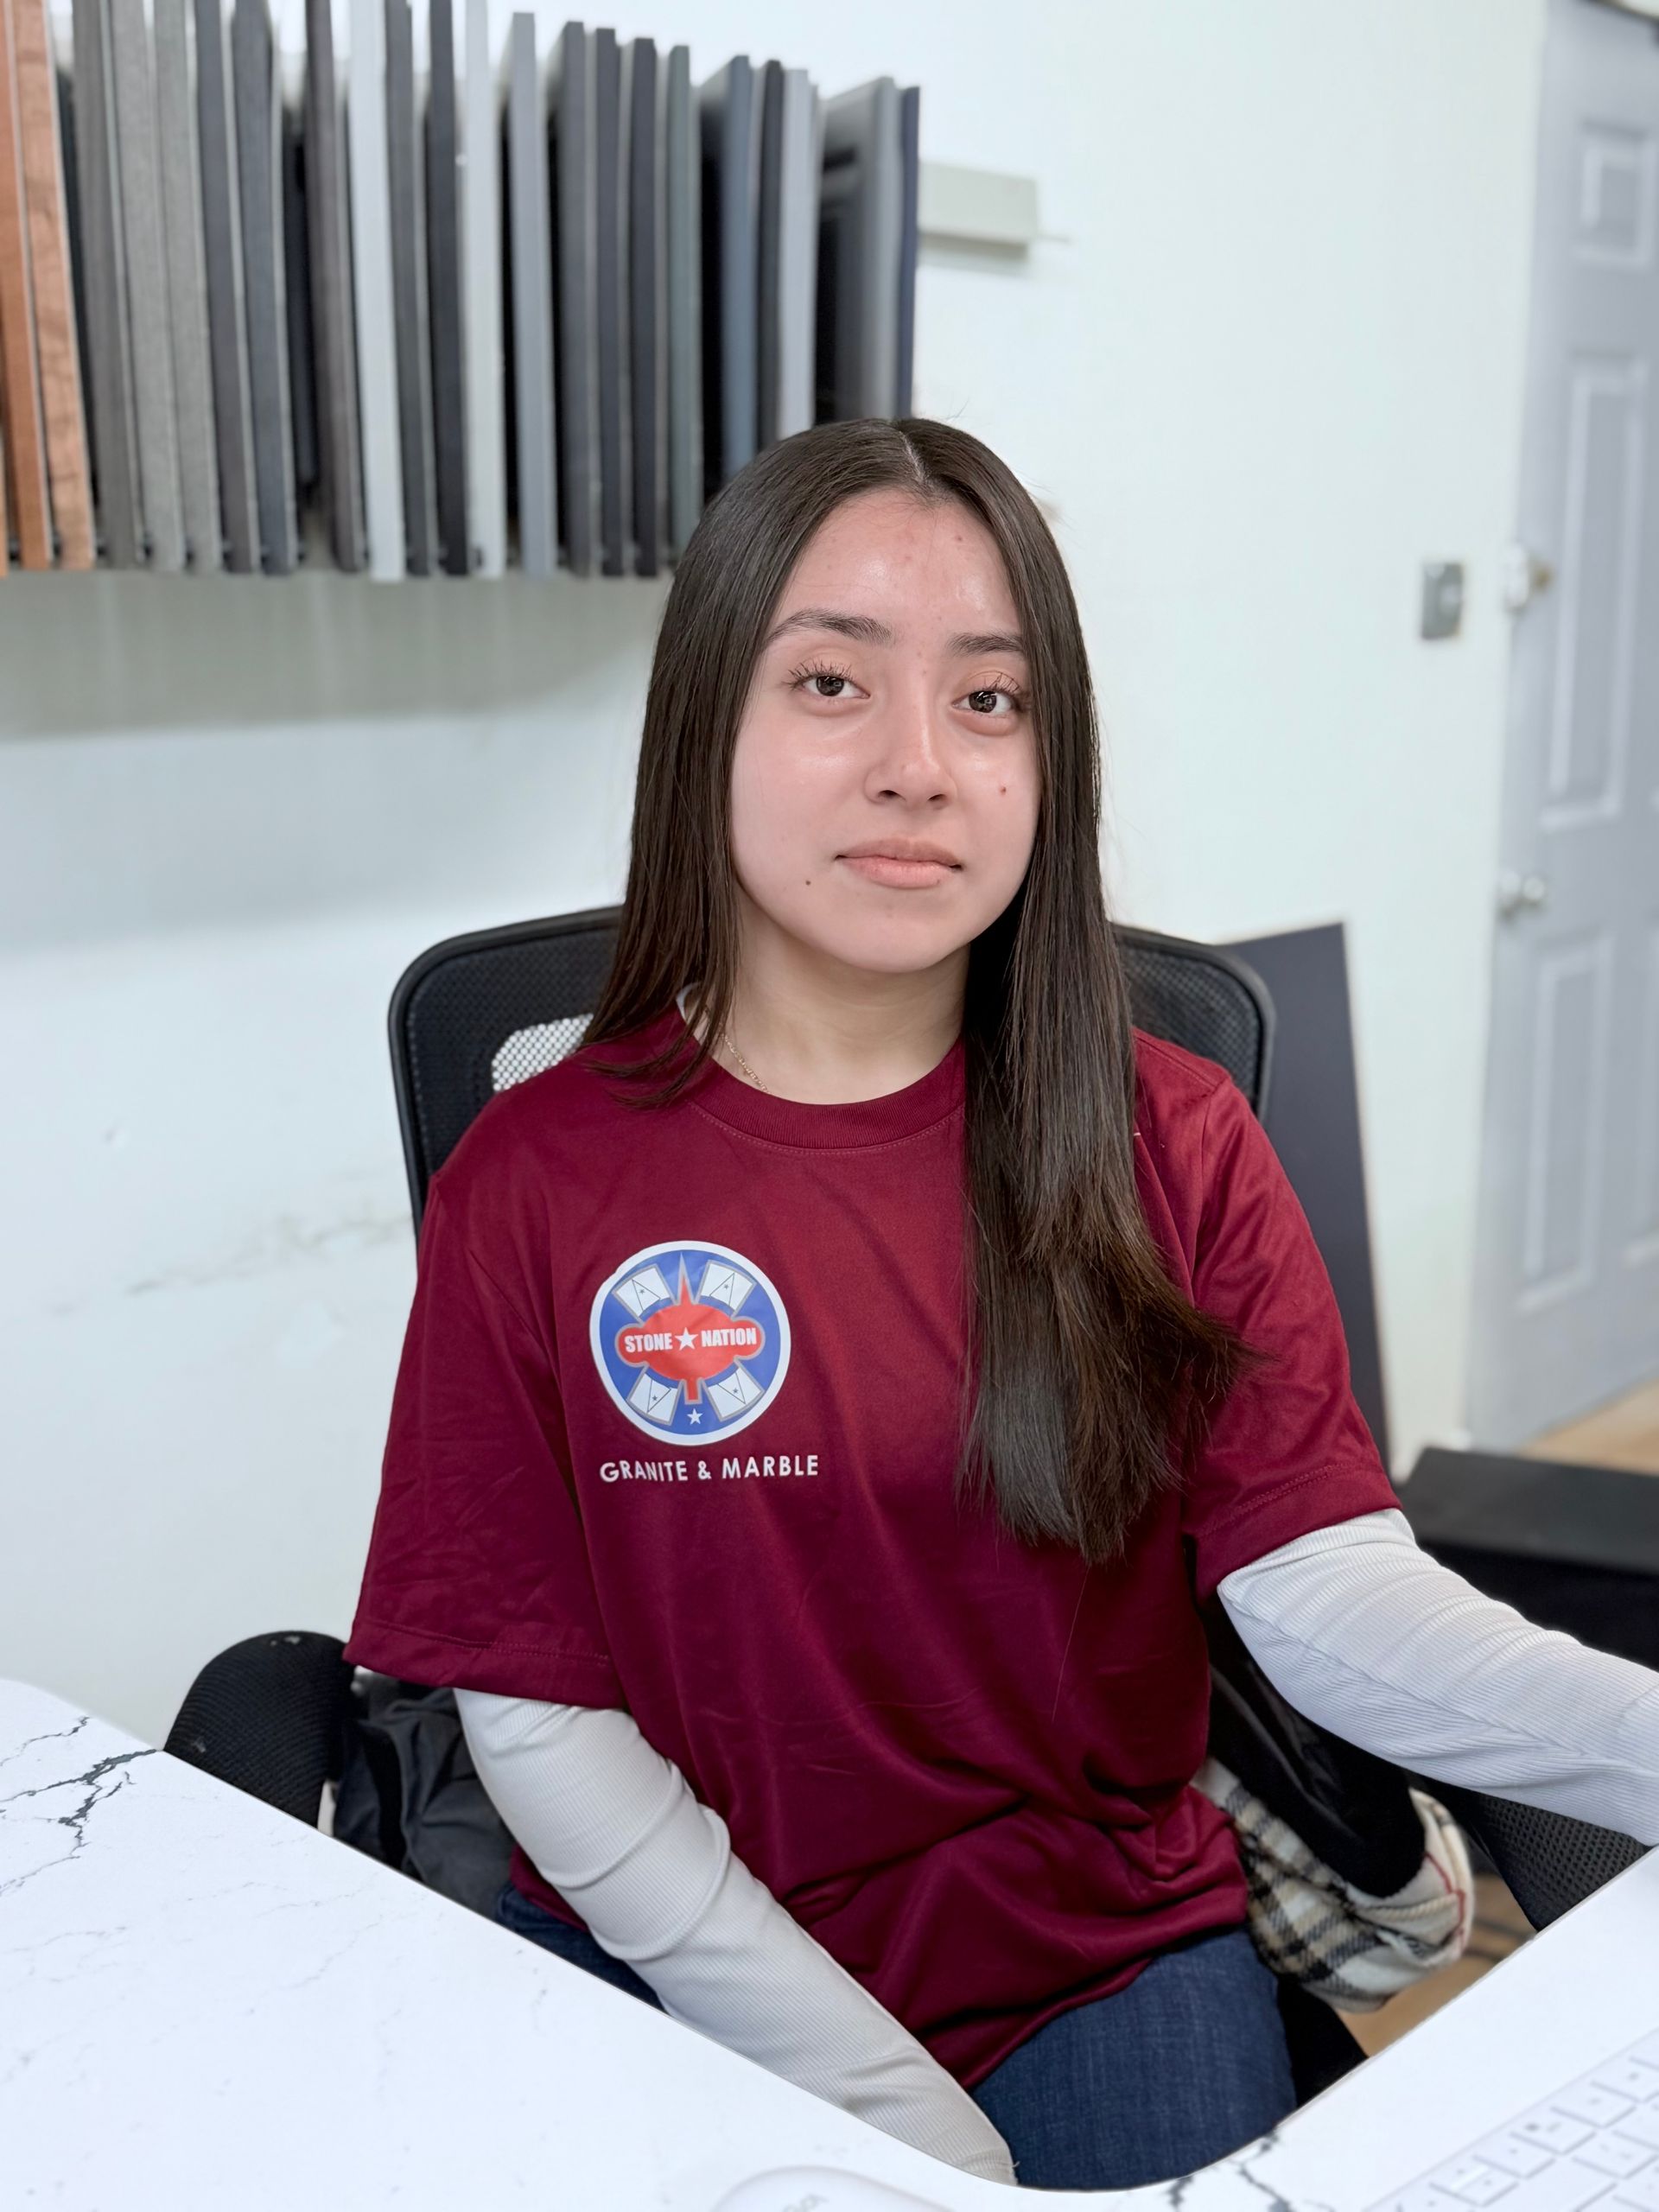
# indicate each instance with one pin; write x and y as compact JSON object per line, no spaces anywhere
{"x":1274,"y":364}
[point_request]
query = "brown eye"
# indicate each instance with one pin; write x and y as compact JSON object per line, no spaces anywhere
{"x":983,"y":701}
{"x":820,"y":683}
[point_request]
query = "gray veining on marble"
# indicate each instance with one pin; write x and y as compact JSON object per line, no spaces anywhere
{"x":203,"y":2004}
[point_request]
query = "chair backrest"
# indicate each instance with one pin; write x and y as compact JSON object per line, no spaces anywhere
{"x":480,"y":1013}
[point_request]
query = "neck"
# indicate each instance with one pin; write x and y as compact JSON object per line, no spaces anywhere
{"x":816,"y":1030}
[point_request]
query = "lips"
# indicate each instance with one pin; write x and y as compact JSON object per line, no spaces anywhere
{"x":896,"y":873}
{"x":901,"y":848}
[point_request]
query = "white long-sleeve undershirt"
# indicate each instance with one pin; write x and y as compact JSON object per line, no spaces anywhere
{"x":613,"y":1826}
{"x":1367,"y":1635}
{"x":1354,"y":1624}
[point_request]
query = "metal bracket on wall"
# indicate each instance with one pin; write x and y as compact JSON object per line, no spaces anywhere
{"x":977,"y":207}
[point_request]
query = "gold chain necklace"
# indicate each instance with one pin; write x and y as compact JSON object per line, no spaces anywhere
{"x":727,"y":1040}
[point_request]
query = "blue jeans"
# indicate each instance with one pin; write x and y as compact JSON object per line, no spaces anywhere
{"x":1182,"y":2067}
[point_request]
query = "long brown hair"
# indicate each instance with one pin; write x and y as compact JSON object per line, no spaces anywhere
{"x":1091,"y":1378}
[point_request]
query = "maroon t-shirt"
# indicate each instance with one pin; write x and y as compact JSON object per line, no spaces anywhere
{"x":674,"y":1429}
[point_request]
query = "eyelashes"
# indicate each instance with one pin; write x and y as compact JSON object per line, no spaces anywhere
{"x":1009,"y":690}
{"x":811,"y":671}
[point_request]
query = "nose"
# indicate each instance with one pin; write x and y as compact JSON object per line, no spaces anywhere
{"x":909,"y":759}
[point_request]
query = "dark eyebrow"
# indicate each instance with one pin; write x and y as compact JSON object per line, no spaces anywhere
{"x":868,"y":631}
{"x":864,"y":627}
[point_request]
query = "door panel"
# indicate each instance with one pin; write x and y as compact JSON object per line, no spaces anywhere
{"x":1567,"y":1267}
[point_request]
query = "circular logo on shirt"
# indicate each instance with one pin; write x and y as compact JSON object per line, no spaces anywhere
{"x":690,"y":1340}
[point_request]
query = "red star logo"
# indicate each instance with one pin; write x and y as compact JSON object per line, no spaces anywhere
{"x":688,"y":1342}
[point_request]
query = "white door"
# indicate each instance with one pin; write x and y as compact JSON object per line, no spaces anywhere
{"x":1566,"y":1309}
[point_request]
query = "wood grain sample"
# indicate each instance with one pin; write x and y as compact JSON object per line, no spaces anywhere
{"x":19,"y":383}
{"x":62,"y":402}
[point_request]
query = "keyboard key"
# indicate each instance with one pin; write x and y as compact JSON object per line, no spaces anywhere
{"x":1553,"y":2131}
{"x":1567,"y":2187}
{"x":1421,"y":2196}
{"x":1474,"y":2181}
{"x":1641,"y":2194}
{"x":1615,"y":2154}
{"x":1643,"y":2124}
{"x":1601,"y":2108}
{"x":1629,"y":2077}
{"x":1514,"y":2153}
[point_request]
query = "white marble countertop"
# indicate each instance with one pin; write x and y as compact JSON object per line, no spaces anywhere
{"x":205,"y":2003}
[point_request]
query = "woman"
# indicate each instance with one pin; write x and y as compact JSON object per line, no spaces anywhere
{"x":830,"y":1396}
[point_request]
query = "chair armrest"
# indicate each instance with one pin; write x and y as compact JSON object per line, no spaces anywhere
{"x":1549,"y":1862}
{"x":268,"y":1716}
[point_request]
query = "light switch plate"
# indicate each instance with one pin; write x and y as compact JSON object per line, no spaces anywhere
{"x":1442,"y":614}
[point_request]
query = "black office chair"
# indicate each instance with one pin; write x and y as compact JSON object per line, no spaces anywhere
{"x":277,"y":1715}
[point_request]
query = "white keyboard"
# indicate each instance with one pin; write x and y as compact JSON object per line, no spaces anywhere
{"x":1594,"y":2142}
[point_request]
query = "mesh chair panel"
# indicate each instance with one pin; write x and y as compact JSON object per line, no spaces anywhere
{"x":1550,"y":1863}
{"x":1206,"y":1001}
{"x":528,"y":1052}
{"x":268,"y":1716}
{"x":480,"y":1013}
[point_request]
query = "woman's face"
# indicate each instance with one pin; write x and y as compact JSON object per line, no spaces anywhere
{"x":884,"y":781}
